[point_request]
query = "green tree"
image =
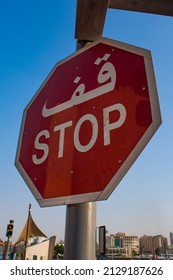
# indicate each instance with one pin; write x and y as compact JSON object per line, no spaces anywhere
{"x":134,"y":253}
{"x":158,"y":251}
{"x":59,"y":251}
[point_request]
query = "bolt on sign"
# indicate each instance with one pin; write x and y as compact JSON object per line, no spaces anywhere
{"x":88,"y":122}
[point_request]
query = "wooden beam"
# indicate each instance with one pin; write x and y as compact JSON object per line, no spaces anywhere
{"x":90,"y":18}
{"x":161,"y":7}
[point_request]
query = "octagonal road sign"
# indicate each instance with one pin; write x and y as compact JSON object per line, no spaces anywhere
{"x":87,"y":123}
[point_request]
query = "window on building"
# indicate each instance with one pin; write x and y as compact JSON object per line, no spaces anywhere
{"x":34,"y":257}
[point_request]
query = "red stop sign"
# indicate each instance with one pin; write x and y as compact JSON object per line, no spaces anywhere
{"x":87,"y":123}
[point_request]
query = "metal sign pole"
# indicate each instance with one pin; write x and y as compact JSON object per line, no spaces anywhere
{"x":80,"y":224}
{"x":81,"y":218}
{"x":80,"y":231}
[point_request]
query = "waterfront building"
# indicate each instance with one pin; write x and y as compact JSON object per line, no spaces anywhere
{"x":171,"y":238}
{"x":121,"y":244}
{"x":153,"y":244}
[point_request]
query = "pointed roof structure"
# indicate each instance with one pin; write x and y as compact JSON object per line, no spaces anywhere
{"x":30,"y":229}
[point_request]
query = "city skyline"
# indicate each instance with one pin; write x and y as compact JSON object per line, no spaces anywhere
{"x":108,"y":234}
{"x":168,"y":236}
{"x":35,"y":36}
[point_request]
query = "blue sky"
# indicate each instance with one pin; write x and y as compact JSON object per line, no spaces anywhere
{"x":34,"y":36}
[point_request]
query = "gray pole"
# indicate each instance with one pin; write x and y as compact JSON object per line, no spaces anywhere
{"x":80,"y":223}
{"x":80,"y":231}
{"x":6,"y":249}
{"x":27,"y":228}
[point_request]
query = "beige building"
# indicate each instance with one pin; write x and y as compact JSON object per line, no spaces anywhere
{"x":131,"y":243}
{"x":149,"y":244}
{"x":41,"y":251}
{"x":122,"y":244}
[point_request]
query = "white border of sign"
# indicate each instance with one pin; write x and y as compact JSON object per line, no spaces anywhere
{"x":89,"y":197}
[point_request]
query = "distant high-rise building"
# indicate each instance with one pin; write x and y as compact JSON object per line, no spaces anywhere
{"x":121,"y":240}
{"x":146,"y":244}
{"x":149,"y":244}
{"x":171,"y":238}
